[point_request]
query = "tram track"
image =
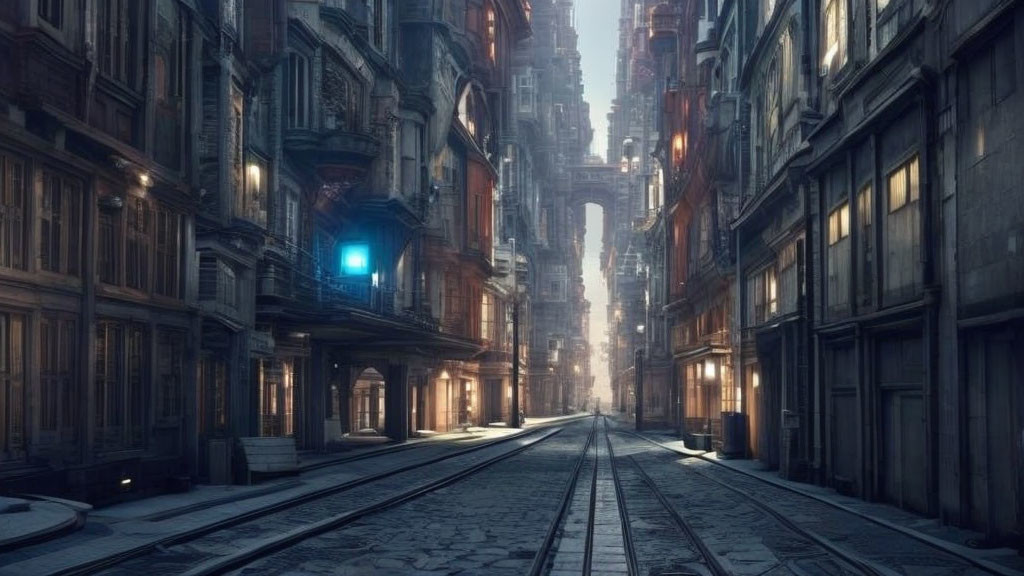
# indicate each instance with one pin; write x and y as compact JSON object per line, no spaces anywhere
{"x":831,"y":524}
{"x":113,"y":564}
{"x":795,"y":551}
{"x":270,"y":545}
{"x":501,"y":518}
{"x":542,"y":560}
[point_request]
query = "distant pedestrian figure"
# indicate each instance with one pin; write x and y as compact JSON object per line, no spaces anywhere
{"x":522,"y":417}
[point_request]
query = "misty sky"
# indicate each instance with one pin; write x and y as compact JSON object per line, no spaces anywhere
{"x":597,"y":24}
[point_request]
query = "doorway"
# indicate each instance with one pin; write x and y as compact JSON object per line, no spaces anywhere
{"x":368,"y":403}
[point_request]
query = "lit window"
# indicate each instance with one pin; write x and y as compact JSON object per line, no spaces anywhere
{"x":904,"y":185}
{"x":678,"y":149}
{"x":835,"y":33}
{"x":839,"y":224}
{"x":492,"y":36}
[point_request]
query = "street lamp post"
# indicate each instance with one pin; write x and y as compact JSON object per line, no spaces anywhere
{"x":638,"y":376}
{"x":514,"y":416}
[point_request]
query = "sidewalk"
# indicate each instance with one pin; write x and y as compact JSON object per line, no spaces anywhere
{"x":122,"y":528}
{"x":930,"y":530}
{"x":24,"y":521}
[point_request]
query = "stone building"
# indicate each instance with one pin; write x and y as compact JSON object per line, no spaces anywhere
{"x":875,"y":328}
{"x":99,"y":325}
{"x":638,"y":332}
{"x":554,"y":123}
{"x":773,"y":370}
{"x":259,"y":218}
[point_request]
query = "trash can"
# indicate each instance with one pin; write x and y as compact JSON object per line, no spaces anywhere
{"x":700,"y":442}
{"x":734,"y":434}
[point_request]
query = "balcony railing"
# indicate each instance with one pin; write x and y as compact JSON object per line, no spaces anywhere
{"x":303,"y":282}
{"x":682,"y":338}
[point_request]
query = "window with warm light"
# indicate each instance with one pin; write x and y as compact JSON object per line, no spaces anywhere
{"x":487,"y":317}
{"x":678,"y":149}
{"x":492,"y":36}
{"x":834,"y":34}
{"x":902,"y":250}
{"x":771,"y":287}
{"x":252,"y":198}
{"x":838,"y":256}
{"x":839,"y":224}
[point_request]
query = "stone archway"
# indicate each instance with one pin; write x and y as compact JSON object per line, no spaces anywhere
{"x":597,"y":184}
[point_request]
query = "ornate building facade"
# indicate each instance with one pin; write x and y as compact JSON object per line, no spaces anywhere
{"x":270,"y":218}
{"x":843,"y":253}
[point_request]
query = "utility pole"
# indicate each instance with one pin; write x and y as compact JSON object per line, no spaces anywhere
{"x":514,"y":415}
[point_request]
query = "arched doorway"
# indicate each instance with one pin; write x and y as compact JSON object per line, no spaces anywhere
{"x":367,"y":403}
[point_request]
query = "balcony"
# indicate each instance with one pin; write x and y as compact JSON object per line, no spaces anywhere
{"x":281,"y":287}
{"x":684,"y":338}
{"x":332,"y":151}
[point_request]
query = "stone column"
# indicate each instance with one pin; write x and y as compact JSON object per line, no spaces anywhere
{"x":316,"y":400}
{"x":396,"y":419}
{"x":345,"y":381}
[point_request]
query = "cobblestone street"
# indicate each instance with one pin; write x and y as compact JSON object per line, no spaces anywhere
{"x":576,"y":496}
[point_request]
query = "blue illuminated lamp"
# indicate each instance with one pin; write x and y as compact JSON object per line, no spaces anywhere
{"x":355,"y":259}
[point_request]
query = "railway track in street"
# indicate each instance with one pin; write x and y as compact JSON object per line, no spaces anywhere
{"x":154,"y":555}
{"x":805,"y":535}
{"x":553,"y":501}
{"x":498,"y":520}
{"x":544,"y":558}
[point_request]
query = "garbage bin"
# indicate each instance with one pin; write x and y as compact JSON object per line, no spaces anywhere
{"x":700,"y":442}
{"x":734,"y":434}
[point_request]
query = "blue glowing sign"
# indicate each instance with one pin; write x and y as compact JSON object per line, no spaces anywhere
{"x":355,"y":259}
